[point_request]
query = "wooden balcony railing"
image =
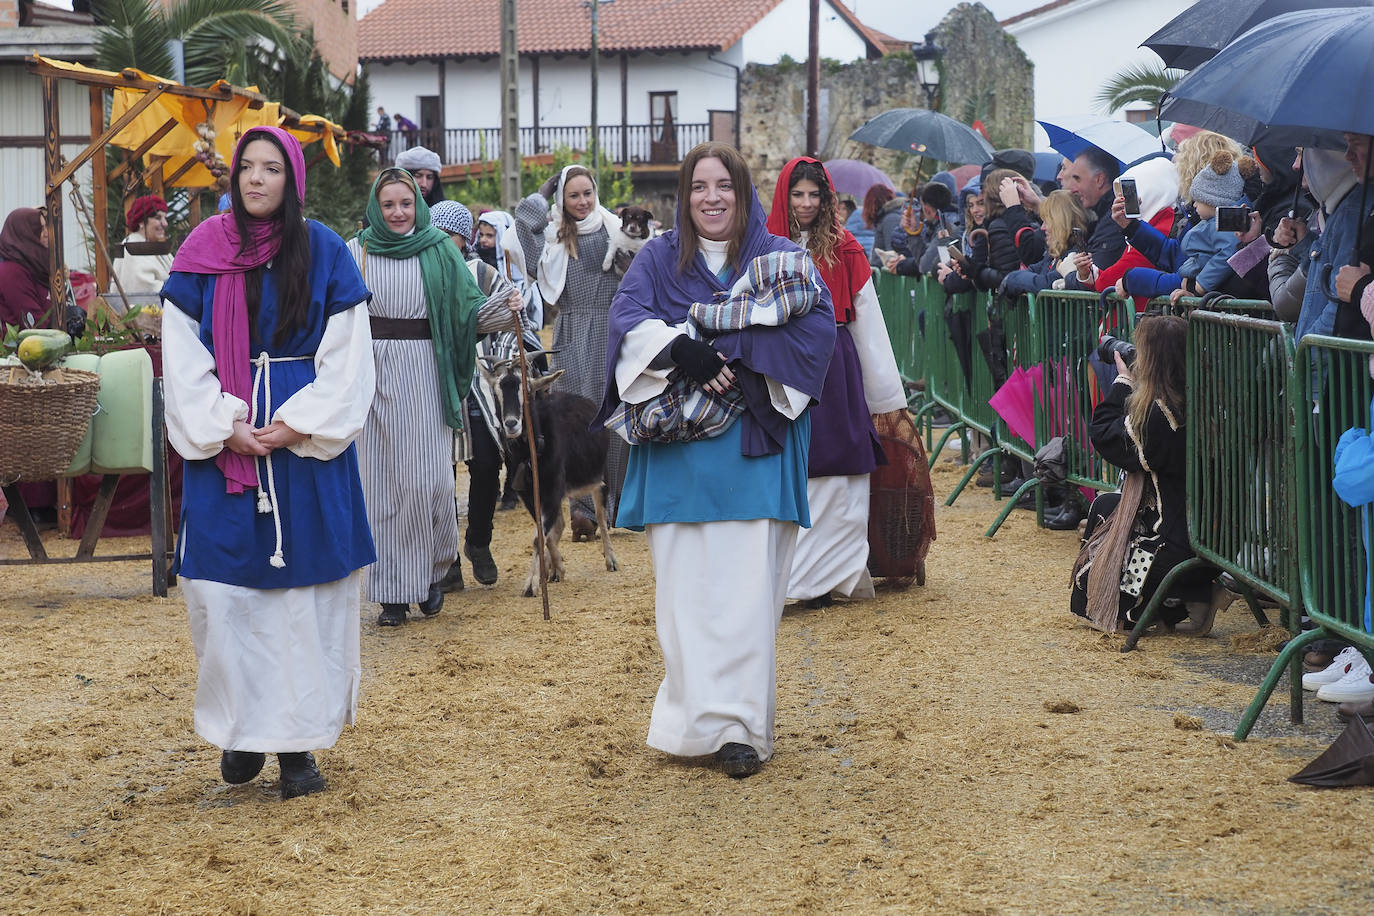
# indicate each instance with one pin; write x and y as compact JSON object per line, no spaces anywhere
{"x":635,"y":143}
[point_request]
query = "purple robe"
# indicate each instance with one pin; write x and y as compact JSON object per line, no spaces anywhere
{"x":796,"y":354}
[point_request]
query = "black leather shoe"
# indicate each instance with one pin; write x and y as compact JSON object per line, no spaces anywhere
{"x":1008,"y":488}
{"x":738,"y":760}
{"x":1066,"y":519}
{"x":299,"y":775}
{"x":392,"y":615}
{"x":483,"y":564}
{"x":240,"y":766}
{"x":434,"y":602}
{"x":453,"y":579}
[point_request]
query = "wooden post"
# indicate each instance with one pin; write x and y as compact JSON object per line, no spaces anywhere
{"x":99,"y":190}
{"x":813,"y":80}
{"x":153,"y":175}
{"x":534,"y":101}
{"x":195,"y":209}
{"x":57,"y":273}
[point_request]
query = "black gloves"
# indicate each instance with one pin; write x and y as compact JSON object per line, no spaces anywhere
{"x":697,"y":358}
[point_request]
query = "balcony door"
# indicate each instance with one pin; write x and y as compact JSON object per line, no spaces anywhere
{"x":663,"y":127}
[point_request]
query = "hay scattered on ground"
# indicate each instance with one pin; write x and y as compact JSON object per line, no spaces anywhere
{"x":1264,"y":641}
{"x":498,"y":763}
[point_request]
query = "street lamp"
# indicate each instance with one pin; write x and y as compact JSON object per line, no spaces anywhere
{"x":928,"y":54}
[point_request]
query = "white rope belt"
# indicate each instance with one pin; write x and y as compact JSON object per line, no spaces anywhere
{"x":267,"y":499}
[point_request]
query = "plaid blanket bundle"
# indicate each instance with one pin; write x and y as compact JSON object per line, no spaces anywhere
{"x":775,"y":288}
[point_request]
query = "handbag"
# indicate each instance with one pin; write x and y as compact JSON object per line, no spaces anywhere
{"x":1141,"y":552}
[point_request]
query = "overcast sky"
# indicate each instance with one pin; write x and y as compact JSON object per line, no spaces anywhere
{"x":910,"y":19}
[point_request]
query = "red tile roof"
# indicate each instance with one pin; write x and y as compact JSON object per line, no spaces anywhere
{"x":414,"y":29}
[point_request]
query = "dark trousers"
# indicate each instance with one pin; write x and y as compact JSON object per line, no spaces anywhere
{"x":484,"y":478}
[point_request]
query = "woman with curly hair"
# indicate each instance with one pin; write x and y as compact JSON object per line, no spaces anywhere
{"x":832,"y":555}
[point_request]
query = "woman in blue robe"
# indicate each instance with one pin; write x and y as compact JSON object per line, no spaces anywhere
{"x":721,"y":513}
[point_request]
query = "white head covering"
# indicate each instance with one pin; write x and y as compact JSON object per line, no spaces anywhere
{"x":553,"y":263}
{"x":1156,"y":185}
{"x":500,"y":221}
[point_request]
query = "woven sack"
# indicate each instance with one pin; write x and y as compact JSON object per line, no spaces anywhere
{"x":42,"y":421}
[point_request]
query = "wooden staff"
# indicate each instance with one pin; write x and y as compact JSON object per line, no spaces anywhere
{"x":526,"y":395}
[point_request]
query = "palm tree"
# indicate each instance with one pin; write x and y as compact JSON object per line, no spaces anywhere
{"x":231,"y":39}
{"x":1137,"y":83}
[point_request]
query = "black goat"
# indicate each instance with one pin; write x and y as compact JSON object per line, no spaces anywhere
{"x":572,"y":457}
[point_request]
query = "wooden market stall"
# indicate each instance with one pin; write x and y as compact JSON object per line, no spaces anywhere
{"x":174,"y":136}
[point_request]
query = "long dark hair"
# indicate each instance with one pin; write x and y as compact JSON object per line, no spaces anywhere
{"x":292,"y":263}
{"x":824,"y":236}
{"x":743,"y":182}
{"x":1161,"y":369}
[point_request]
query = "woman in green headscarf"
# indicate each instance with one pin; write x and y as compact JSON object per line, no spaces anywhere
{"x":426,"y":313}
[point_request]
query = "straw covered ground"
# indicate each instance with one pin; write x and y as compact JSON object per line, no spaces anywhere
{"x":961,"y":747}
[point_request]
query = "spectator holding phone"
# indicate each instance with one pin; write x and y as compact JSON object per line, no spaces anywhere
{"x":1156,"y":186}
{"x":1328,"y":181}
{"x":1090,"y":180}
{"x":1065,"y":232}
{"x":1197,"y":263}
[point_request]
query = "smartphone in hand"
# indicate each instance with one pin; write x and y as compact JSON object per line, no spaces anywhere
{"x":1125,"y":188}
{"x":1233,"y":219}
{"x":1078,"y":239}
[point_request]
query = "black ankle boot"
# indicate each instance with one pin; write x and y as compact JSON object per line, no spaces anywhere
{"x":240,"y":766}
{"x":392,"y":615}
{"x":453,"y":579}
{"x":299,"y":775}
{"x":1067,"y":518}
{"x":434,"y":601}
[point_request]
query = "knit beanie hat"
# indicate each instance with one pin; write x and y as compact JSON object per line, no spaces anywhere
{"x":142,"y":208}
{"x":452,"y":217}
{"x":1220,"y":184}
{"x":417,"y":157}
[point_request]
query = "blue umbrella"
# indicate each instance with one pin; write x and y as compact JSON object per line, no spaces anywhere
{"x":1195,"y":35}
{"x":1300,"y":79}
{"x":1127,"y":143}
{"x":1047,"y":166}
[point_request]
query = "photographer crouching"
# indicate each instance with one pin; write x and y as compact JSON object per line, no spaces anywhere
{"x":1134,"y":537}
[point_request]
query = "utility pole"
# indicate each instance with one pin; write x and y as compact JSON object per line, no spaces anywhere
{"x":595,"y":140}
{"x":813,"y":80}
{"x":510,"y":109}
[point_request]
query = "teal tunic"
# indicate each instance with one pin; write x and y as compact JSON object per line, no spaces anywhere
{"x":710,"y":481}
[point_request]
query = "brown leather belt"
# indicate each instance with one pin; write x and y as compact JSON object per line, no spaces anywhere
{"x":400,"y":328}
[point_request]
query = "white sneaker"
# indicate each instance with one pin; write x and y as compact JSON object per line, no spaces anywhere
{"x":1355,"y":687}
{"x":1340,"y":666}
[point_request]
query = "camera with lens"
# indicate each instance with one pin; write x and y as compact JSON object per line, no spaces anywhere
{"x":1112,"y":345}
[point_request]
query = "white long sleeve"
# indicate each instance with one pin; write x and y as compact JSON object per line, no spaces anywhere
{"x":200,"y":416}
{"x":637,"y":380}
{"x":882,"y":382}
{"x":332,"y":409}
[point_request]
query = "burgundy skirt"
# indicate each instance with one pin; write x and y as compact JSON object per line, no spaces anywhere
{"x":843,"y":440}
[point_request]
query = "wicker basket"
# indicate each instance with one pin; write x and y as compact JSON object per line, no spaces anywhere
{"x":42,"y":424}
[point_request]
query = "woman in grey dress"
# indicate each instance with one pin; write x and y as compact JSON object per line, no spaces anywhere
{"x":564,"y":232}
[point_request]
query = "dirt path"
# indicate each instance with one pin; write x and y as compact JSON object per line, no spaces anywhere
{"x":498,"y":763}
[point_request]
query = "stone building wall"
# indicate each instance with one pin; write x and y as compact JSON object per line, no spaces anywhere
{"x":984,"y":76}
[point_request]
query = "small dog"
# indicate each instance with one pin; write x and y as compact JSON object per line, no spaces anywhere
{"x":634,"y":232}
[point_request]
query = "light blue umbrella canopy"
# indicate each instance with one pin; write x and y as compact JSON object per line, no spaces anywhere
{"x":1127,"y":143}
{"x":921,"y":132}
{"x":1300,"y":79}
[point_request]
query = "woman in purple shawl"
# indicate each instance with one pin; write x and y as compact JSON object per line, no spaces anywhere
{"x":721,"y":513}
{"x":268,"y":365}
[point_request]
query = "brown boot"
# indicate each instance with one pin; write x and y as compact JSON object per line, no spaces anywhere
{"x":1362,"y":708}
{"x":1202,"y":614}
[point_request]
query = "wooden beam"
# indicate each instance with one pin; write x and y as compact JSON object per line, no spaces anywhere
{"x":185,"y":167}
{"x":57,"y":274}
{"x":99,"y":191}
{"x":128,"y":79}
{"x":98,"y":144}
{"x":143,"y":148}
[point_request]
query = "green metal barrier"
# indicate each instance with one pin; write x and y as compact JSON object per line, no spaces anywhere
{"x":1242,"y":473}
{"x":1333,"y":376}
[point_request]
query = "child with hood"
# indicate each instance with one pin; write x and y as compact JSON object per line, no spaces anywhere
{"x":1195,"y":264}
{"x":1156,"y":184}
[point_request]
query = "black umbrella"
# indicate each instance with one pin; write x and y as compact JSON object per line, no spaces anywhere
{"x":1199,"y":32}
{"x":922,"y":132}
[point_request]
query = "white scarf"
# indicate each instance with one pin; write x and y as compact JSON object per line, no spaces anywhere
{"x":553,"y":262}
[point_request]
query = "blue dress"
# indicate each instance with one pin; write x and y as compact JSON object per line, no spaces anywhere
{"x":325,"y":533}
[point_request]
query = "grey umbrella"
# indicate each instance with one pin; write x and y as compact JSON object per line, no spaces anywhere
{"x":1195,"y":35}
{"x":925,"y":133}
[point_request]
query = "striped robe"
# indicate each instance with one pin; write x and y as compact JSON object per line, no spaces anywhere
{"x":406,"y":450}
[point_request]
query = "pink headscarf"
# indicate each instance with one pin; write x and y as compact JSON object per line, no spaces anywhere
{"x":213,"y":248}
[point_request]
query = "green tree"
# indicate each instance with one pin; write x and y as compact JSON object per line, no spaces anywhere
{"x":1137,"y":83}
{"x":222,"y":38}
